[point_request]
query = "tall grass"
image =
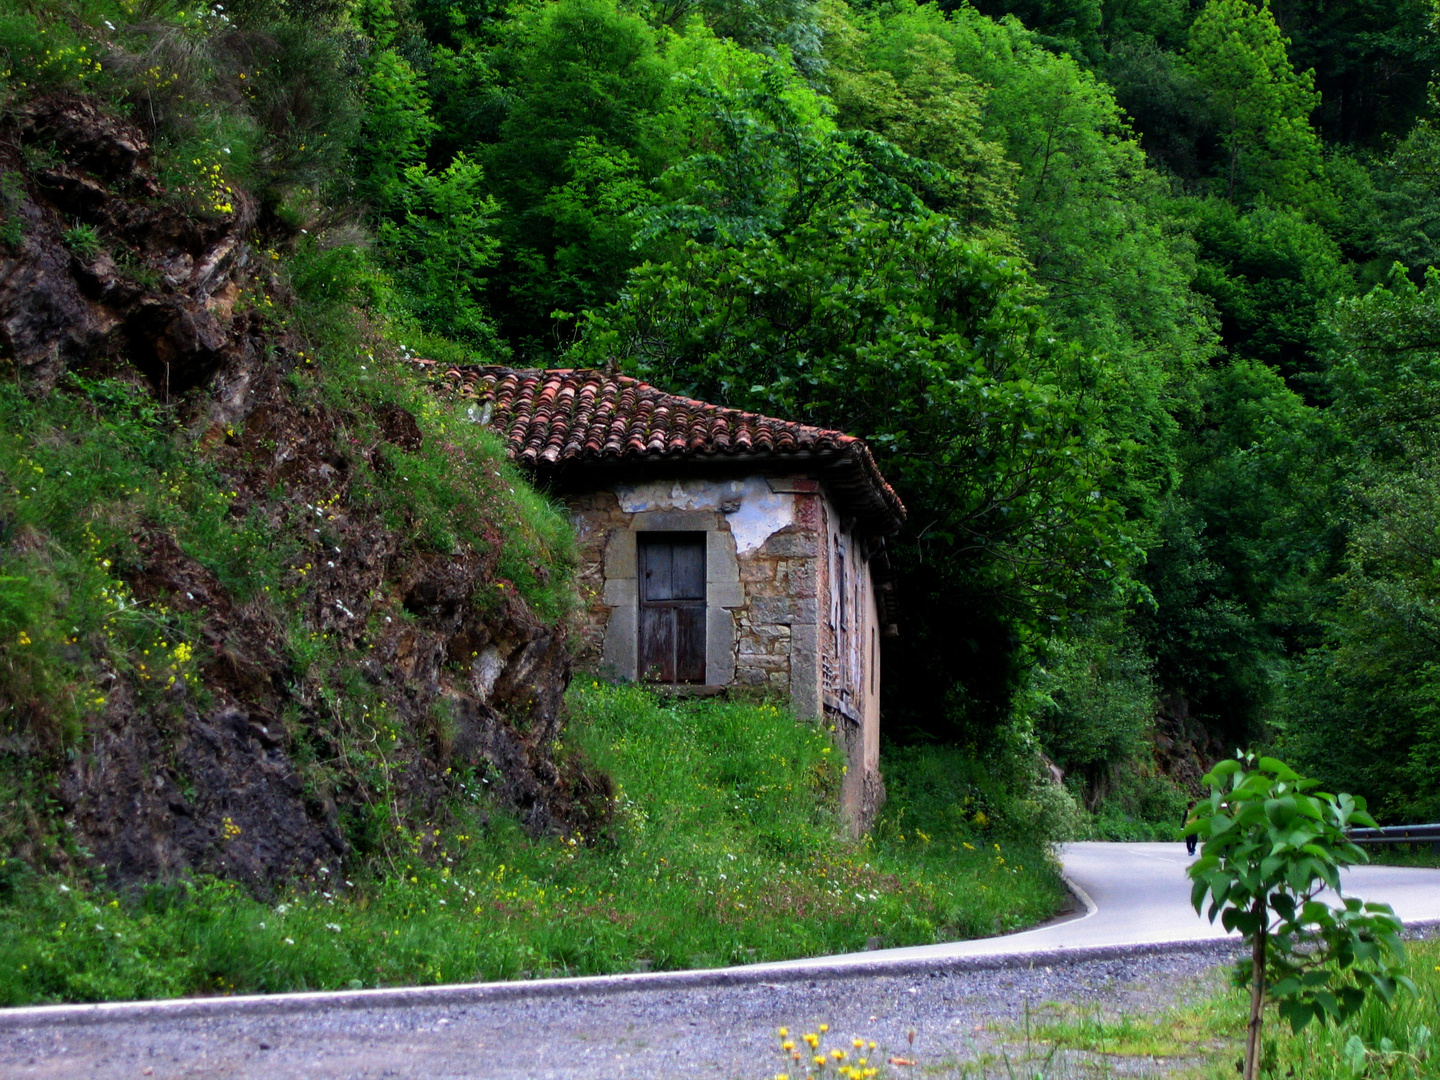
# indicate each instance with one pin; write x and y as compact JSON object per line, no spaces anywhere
{"x":1395,"y":1042}
{"x":1381,"y":1042}
{"x":724,"y":848}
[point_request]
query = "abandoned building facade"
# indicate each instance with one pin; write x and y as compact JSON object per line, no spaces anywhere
{"x":717,"y":548}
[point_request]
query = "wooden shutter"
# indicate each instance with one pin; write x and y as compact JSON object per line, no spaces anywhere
{"x":672,"y":607}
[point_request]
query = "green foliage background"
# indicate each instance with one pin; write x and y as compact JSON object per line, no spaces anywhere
{"x":1129,"y":296}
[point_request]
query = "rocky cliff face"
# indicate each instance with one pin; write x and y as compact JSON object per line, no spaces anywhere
{"x":222,"y":776}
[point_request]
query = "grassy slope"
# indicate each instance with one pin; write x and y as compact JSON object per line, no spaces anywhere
{"x":720,"y":852}
{"x":722,"y":847}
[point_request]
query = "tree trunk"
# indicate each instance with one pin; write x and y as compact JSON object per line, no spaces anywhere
{"x":1257,"y":993}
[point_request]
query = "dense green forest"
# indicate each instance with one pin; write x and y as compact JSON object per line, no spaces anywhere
{"x":1131,"y":297}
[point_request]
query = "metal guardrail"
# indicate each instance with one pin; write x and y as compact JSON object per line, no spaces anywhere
{"x":1398,"y":834}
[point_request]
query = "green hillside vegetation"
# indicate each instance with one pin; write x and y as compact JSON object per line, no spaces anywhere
{"x":721,"y":850}
{"x":321,"y":563}
{"x":1133,"y":300}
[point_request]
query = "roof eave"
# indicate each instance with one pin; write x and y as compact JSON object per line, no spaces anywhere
{"x":843,"y":472}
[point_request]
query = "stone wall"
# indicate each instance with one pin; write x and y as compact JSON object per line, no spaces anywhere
{"x":595,"y":514}
{"x":763,"y":543}
{"x":770,"y":609}
{"x":778,"y":627}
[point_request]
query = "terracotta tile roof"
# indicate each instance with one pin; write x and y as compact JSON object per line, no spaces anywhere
{"x":558,"y":417}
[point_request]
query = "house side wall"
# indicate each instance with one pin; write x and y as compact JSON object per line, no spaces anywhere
{"x":850,"y":664}
{"x":773,"y":600}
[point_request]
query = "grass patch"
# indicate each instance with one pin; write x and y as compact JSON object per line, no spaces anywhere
{"x":83,"y":473}
{"x":1403,"y":855}
{"x":723,"y":849}
{"x":1188,"y":1032}
{"x":1204,"y":1038}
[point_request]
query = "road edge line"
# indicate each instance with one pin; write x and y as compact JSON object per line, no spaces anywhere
{"x":463,"y":994}
{"x":458,"y":995}
{"x":1080,"y":894}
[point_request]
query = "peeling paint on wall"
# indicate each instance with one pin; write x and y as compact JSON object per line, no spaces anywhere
{"x":753,"y":511}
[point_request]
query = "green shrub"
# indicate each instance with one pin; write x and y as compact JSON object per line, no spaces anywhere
{"x":948,"y":792}
{"x":1139,"y":804}
{"x":1093,"y":702}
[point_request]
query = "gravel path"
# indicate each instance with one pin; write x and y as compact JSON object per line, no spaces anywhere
{"x":964,"y":1006}
{"x":716,"y":1031}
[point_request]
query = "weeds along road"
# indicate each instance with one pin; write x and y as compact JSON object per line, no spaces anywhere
{"x":1138,"y":948}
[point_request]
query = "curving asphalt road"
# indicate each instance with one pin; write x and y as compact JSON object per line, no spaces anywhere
{"x":1137,"y":946}
{"x":1139,"y":894}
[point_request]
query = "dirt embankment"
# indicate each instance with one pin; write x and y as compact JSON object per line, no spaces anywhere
{"x":214,"y":780}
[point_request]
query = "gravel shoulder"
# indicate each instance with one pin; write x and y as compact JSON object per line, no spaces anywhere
{"x":965,"y":1005}
{"x":959,"y":1014}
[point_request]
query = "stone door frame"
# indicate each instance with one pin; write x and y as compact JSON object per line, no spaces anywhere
{"x":723,"y":591}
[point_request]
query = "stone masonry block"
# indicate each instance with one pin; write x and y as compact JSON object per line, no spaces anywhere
{"x":789,"y":542}
{"x":719,"y":647}
{"x":725,"y":594}
{"x":676,"y":521}
{"x":754,"y":570}
{"x":783,"y":609}
{"x":808,"y":515}
{"x":805,"y":689}
{"x":621,"y":592}
{"x":769,"y":631}
{"x":620,"y":554}
{"x":619,"y":652}
{"x":720,"y":562}
{"x":793,"y":484}
{"x":796,"y":576}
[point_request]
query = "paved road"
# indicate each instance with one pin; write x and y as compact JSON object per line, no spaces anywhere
{"x":1139,"y":894}
{"x":700,"y":1024}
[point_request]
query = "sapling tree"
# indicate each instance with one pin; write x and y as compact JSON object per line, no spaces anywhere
{"x":1273,"y":845}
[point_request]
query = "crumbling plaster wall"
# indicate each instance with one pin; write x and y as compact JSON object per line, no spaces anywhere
{"x":770,"y":607}
{"x":762,"y":545}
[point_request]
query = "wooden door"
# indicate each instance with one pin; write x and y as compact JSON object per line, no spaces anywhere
{"x":672,"y":607}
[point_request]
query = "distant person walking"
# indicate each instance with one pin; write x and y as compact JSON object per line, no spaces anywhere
{"x":1192,"y":839}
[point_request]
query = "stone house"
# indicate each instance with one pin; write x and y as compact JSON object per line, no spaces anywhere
{"x":717,"y":548}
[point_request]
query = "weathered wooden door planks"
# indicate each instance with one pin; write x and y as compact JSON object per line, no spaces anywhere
{"x":672,"y":607}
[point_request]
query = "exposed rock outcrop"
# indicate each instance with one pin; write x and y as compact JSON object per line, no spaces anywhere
{"x":211,"y":781}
